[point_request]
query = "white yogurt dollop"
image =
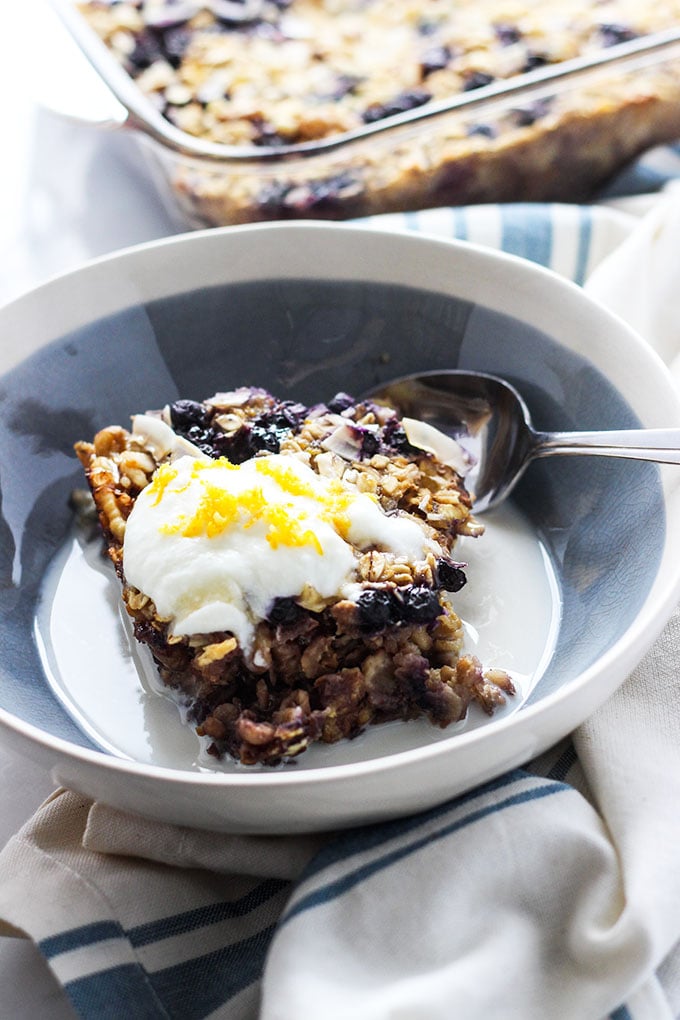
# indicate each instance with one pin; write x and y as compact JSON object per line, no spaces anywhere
{"x":213,"y":544}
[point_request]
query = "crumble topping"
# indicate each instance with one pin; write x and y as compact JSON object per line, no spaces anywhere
{"x":286,"y":71}
{"x":271,"y":73}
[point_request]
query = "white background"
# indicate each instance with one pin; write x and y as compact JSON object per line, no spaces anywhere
{"x":68,"y":192}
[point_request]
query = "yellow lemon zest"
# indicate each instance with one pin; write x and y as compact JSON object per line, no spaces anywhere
{"x":286,"y":528}
{"x":219,"y":508}
{"x":199,"y":467}
{"x":164,"y":476}
{"x":286,"y":478}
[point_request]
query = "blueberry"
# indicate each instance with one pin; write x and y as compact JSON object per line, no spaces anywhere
{"x":427,"y":27}
{"x":175,"y":42}
{"x":507,"y":35}
{"x":285,"y":198}
{"x":612,"y":34}
{"x":272,"y":196}
{"x":184,"y":413}
{"x":407,"y":100}
{"x":420,"y":605}
{"x":378,"y":608}
{"x":436,"y":58}
{"x":477,"y":80}
{"x":147,"y":50}
{"x":328,"y":192}
{"x":267,"y":133}
{"x":483,"y":130}
{"x":285,"y":611}
{"x":525,"y":116}
{"x":534,"y":60}
{"x":204,"y":439}
{"x":266,"y":437}
{"x":198,"y":434}
{"x":450,"y":575}
{"x":394,"y":437}
{"x":222,"y":446}
{"x":238,"y":446}
{"x":340,"y":402}
{"x":344,"y":85}
{"x":287,"y":415}
{"x":370,"y":443}
{"x":267,"y":430}
{"x":234,"y":12}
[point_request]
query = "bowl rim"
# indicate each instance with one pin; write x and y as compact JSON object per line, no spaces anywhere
{"x":625,"y":652}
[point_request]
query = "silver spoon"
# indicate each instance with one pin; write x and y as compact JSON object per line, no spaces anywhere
{"x":491,"y":423}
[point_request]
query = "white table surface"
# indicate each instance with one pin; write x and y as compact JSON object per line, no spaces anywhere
{"x":68,"y":192}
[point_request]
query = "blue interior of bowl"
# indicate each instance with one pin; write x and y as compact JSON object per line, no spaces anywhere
{"x":602,"y":520}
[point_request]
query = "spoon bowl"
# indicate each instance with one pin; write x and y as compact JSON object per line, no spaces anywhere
{"x":491,"y":424}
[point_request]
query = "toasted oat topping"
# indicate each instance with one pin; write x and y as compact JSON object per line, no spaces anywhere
{"x":268,"y":73}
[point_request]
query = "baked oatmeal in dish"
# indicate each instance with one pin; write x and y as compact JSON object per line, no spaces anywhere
{"x":290,"y":568}
{"x":259,"y":75}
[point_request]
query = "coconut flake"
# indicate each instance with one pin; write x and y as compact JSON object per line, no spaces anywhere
{"x":161,"y":439}
{"x":445,"y":448}
{"x":345,"y":441}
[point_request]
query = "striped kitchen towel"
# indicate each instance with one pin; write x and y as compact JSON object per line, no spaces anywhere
{"x":552,"y":891}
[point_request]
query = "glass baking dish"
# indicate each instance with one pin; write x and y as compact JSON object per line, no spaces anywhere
{"x":556,"y":133}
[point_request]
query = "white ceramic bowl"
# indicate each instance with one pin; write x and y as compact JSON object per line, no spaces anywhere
{"x":581,"y":575}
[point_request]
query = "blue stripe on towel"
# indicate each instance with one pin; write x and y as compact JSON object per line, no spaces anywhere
{"x":355,"y":841}
{"x":564,"y":763}
{"x":526,"y":230}
{"x":194,"y":989}
{"x":190,"y":990}
{"x":213,"y":913}
{"x":119,"y":992}
{"x":76,"y":938}
{"x":411,"y":221}
{"x":585,"y":235}
{"x":622,"y":1013}
{"x":166,"y":927}
{"x":337,"y":888}
{"x":460,"y":227}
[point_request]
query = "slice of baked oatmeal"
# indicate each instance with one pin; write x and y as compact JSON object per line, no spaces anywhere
{"x":290,"y":567}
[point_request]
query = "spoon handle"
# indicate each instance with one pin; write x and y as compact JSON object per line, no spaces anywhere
{"x":660,"y":445}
